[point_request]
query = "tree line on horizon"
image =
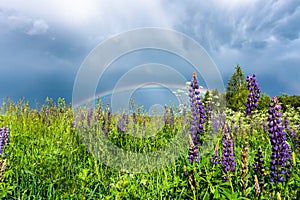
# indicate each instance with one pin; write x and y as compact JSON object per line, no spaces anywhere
{"x":237,"y":93}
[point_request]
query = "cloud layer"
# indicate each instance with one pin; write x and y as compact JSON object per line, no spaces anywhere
{"x":43,"y":43}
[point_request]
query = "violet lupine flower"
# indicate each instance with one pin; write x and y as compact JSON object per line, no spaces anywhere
{"x":171,"y":117}
{"x":281,"y":153}
{"x":126,"y":119}
{"x":227,"y":160}
{"x":201,"y":116}
{"x":89,"y":116}
{"x":134,"y":123}
{"x":193,"y":152}
{"x":134,"y":118}
{"x":287,"y":125}
{"x":217,"y":121}
{"x":106,"y":122}
{"x":120,"y":125}
{"x":259,"y":169}
{"x":294,"y":139}
{"x":215,"y":158}
{"x":198,"y":116}
{"x":165,"y":115}
{"x":264,"y":125}
{"x":244,"y":164}
{"x":4,"y":138}
{"x":254,"y":94}
{"x":104,"y":126}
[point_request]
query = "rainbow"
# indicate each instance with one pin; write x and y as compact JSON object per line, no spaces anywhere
{"x":132,"y":88}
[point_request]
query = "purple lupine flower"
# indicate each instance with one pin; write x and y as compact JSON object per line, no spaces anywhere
{"x":287,"y":125}
{"x":227,"y":160}
{"x":201,"y":116}
{"x":144,"y":125}
{"x":89,"y":116}
{"x":215,"y":158}
{"x":193,"y":152}
{"x":126,"y":119}
{"x":235,"y":128}
{"x":281,"y":153}
{"x":120,"y":125}
{"x":106,"y":122}
{"x":104,"y":126}
{"x":134,"y":118}
{"x":259,"y":169}
{"x":254,"y":94}
{"x":208,"y":109}
{"x":198,"y":115}
{"x":4,"y":138}
{"x":264,"y":125}
{"x":294,"y":139}
{"x":165,"y":115}
{"x":171,"y":117}
{"x":134,"y":123}
{"x":215,"y":123}
{"x":244,"y":164}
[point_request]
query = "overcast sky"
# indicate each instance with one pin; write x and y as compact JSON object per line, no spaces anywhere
{"x":43,"y":43}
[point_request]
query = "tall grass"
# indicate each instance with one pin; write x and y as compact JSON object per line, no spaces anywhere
{"x":47,"y":159}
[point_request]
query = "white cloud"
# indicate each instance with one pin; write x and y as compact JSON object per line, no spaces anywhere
{"x":39,"y":27}
{"x":19,"y":22}
{"x":95,"y":19}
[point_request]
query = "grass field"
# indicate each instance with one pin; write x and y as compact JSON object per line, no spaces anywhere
{"x":47,"y":157}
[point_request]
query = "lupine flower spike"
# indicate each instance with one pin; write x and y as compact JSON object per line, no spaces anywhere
{"x":281,"y":152}
{"x":244,"y":164}
{"x":227,"y":160}
{"x":4,"y":138}
{"x":254,"y":94}
{"x":215,"y":158}
{"x":198,"y":116}
{"x":259,"y":171}
{"x":294,"y":139}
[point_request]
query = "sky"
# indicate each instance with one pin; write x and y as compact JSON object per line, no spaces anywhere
{"x":44,"y":43}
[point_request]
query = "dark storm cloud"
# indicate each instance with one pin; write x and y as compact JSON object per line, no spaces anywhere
{"x":261,"y":36}
{"x":42,"y":45}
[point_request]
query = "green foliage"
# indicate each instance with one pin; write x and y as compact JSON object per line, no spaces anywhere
{"x":264,"y":102}
{"x":236,"y":91}
{"x":293,"y":101}
{"x":46,"y":159}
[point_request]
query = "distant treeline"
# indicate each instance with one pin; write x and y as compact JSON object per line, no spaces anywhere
{"x":237,"y":93}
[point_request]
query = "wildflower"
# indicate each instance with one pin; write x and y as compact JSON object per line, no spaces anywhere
{"x":198,"y":115}
{"x":287,"y":125}
{"x":215,"y":158}
{"x":171,"y":117}
{"x":227,"y":160}
{"x":193,"y":152}
{"x":259,"y":170}
{"x":294,"y":139}
{"x":89,"y":116}
{"x":244,"y":163}
{"x":254,"y":94}
{"x":106,"y":122}
{"x":165,"y":115}
{"x":281,"y":153}
{"x":4,"y":138}
{"x":134,"y":123}
{"x":120,"y":125}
